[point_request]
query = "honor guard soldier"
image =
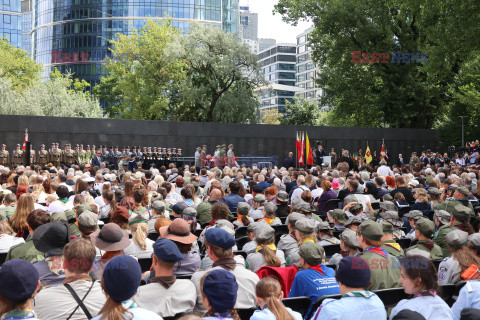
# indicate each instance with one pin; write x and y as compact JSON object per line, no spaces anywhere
{"x":173,"y":157}
{"x":55,"y":155}
{"x":223,"y":155}
{"x":4,"y":156}
{"x":93,"y":152}
{"x":124,"y":152}
{"x":105,"y":152}
{"x":128,"y":153}
{"x":68,"y":156}
{"x":154,"y":158}
{"x":179,"y":157}
{"x":77,"y":151}
{"x":17,"y":156}
{"x":82,"y":152}
{"x":87,"y":150}
{"x":117,"y":155}
{"x":230,"y":156}
{"x":139,"y":157}
{"x":147,"y":159}
{"x":42,"y":157}
{"x":164,"y":157}
{"x":168,"y":157}
{"x":32,"y":155}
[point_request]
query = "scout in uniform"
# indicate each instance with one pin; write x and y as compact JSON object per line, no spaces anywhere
{"x":392,"y":218}
{"x":412,"y":217}
{"x":42,"y":157}
{"x":384,"y":267}
{"x":388,"y":244}
{"x":17,"y":156}
{"x":460,"y":215}
{"x":68,"y":156}
{"x":325,"y":234}
{"x":230,"y":156}
{"x":424,"y":229}
{"x":449,"y":269}
{"x":4,"y":156}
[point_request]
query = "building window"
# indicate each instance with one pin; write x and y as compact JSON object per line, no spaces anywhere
{"x":6,"y":18}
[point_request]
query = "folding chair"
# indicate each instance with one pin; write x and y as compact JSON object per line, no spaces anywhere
{"x":153,"y":236}
{"x":241,"y":242}
{"x":240,"y":253}
{"x":241,"y":232}
{"x":332,"y":249}
{"x":299,"y":304}
{"x":319,"y":301}
{"x":390,"y":297}
{"x":404,"y":242}
{"x":245,"y":314}
{"x":145,"y":264}
{"x":3,"y":257}
{"x":183,"y":276}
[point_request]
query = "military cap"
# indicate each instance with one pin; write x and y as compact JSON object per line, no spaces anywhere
{"x":88,"y":219}
{"x":413,"y":214}
{"x":349,"y":237}
{"x":392,"y":218}
{"x":312,"y":253}
{"x":18,"y":144}
{"x":270,"y":208}
{"x":460,"y":212}
{"x":68,"y":145}
{"x":77,"y":146}
{"x":356,"y":207}
{"x":174,"y":148}
{"x":425,"y":226}
{"x":434,"y":191}
{"x":179,"y":149}
{"x":251,"y":227}
{"x":443,"y":216}
{"x":463,"y":190}
{"x":224,"y":145}
{"x":199,"y":147}
{"x":259,"y":198}
{"x":218,"y":146}
{"x":3,"y":145}
{"x":230,"y":145}
{"x":388,"y":206}
{"x":204,"y":145}
{"x":58,"y":216}
{"x":353,"y":220}
{"x":93,"y":146}
{"x":474,"y":240}
{"x":111,"y":147}
{"x":387,"y":197}
{"x":457,"y":238}
{"x":323,"y":225}
{"x":294,"y":217}
{"x":42,"y":146}
{"x":386,"y":227}
{"x":339,"y":215}
{"x":81,"y":145}
{"x":371,"y":230}
{"x":264,"y":232}
{"x":53,"y":143}
{"x":243,"y":207}
{"x":305,"y":225}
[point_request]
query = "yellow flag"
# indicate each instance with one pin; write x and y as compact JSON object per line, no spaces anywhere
{"x":368,"y":155}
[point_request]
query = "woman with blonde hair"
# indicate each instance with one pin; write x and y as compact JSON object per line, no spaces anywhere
{"x":422,"y":203}
{"x":7,"y":237}
{"x":141,"y":246}
{"x":269,"y":294}
{"x":266,"y":253}
{"x":18,"y":221}
{"x":23,"y":181}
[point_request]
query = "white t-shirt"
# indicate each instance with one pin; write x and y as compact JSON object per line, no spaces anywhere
{"x":7,"y":241}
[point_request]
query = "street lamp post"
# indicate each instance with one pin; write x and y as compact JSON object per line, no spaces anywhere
{"x":463,"y":142}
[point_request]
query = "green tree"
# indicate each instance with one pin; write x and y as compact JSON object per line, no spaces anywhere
{"x":302,"y":112}
{"x":379,"y":94}
{"x":56,"y":97}
{"x":17,"y":66}
{"x":142,"y":75}
{"x":221,"y":77}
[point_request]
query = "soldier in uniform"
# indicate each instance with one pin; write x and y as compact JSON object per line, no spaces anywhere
{"x":77,"y":151}
{"x":68,"y":156}
{"x":42,"y":157}
{"x":93,"y":152}
{"x":164,"y":157}
{"x":17,"y":156}
{"x":128,"y":152}
{"x":223,"y":155}
{"x":216,"y":156}
{"x":105,"y":153}
{"x":82,"y":151}
{"x":230,"y":156}
{"x":4,"y":156}
{"x":156,"y":158}
{"x":55,"y":155}
{"x":179,"y":157}
{"x":173,"y":158}
{"x":32,"y":155}
{"x":117,"y":155}
{"x":168,"y":157}
{"x":414,"y":160}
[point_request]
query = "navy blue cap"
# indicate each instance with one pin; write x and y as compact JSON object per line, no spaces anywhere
{"x":19,"y":280}
{"x":179,"y":207}
{"x":121,"y":277}
{"x":133,"y":154}
{"x":220,"y":238}
{"x":220,"y":287}
{"x":166,"y":250}
{"x":353,"y":272}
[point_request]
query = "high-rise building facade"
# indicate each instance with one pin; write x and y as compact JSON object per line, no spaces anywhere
{"x":278,"y":64}
{"x":11,"y":21}
{"x":27,"y":25}
{"x":249,"y":28}
{"x":307,"y":71}
{"x":74,"y":35}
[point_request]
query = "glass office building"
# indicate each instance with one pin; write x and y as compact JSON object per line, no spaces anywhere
{"x":74,"y":35}
{"x":11,"y":21}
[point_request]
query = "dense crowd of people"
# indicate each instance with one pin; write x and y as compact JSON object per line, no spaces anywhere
{"x":89,"y":242}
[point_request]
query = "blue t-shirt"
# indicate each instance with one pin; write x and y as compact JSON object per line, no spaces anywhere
{"x":312,"y":284}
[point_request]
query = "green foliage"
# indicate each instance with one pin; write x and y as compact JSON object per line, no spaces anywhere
{"x":53,"y":98}
{"x":17,"y":66}
{"x":301,"y":112}
{"x":389,"y":95}
{"x":142,"y":75}
{"x":221,"y":77}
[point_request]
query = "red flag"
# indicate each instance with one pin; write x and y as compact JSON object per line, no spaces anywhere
{"x":297,"y":144}
{"x":382,"y":152}
{"x":309,"y":152}
{"x":25,"y":141}
{"x":301,"y":158}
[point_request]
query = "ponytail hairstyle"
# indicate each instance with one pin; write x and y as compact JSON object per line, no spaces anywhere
{"x":268,"y":254}
{"x":243,"y":217}
{"x":109,"y":195}
{"x":139,"y":230}
{"x":270,"y":291}
{"x":113,"y":310}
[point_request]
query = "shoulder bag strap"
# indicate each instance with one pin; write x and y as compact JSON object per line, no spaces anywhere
{"x":79,"y":302}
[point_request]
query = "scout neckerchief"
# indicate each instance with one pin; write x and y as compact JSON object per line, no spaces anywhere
{"x":425,"y":293}
{"x":331,"y":240}
{"x":317,"y":268}
{"x":63,"y":200}
{"x":223,"y":315}
{"x":271,"y":246}
{"x":427,"y":243}
{"x":305,"y":241}
{"x":269,"y":220}
{"x":393,"y":244}
{"x":19,"y":314}
{"x":378,"y":251}
{"x":362,"y":294}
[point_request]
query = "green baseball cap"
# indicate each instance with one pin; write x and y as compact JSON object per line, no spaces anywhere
{"x":371,"y":230}
{"x":312,"y":253}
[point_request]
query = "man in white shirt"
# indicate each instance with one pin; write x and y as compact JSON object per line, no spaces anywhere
{"x":58,"y":302}
{"x":384,"y":170}
{"x":177,"y":295}
{"x":297,"y":193}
